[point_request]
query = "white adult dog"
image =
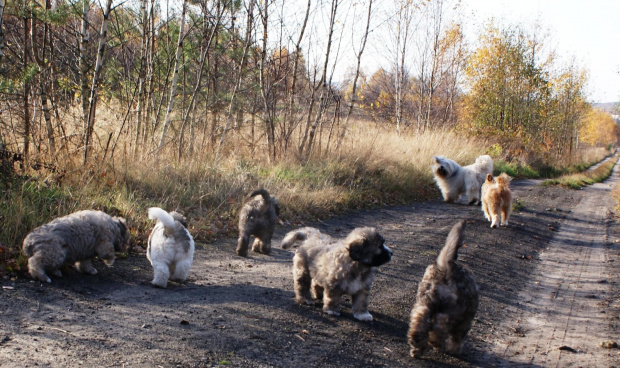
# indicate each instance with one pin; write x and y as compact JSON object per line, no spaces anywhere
{"x":454,"y":180}
{"x":170,"y":247}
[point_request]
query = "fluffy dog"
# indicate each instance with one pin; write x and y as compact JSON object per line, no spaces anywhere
{"x":497,"y":199}
{"x":329,"y":268}
{"x":446,"y":304}
{"x":454,"y":180}
{"x":170,"y":247}
{"x":75,"y":238}
{"x":257,"y":218}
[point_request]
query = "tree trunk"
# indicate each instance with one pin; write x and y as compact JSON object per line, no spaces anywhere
{"x":1,"y":30}
{"x":305,"y":151}
{"x":203,"y":60}
{"x":83,"y":64}
{"x":175,"y":75}
{"x":26,"y":90}
{"x":291,"y":104}
{"x":93,"y":90}
{"x":248,"y":42}
{"x":343,"y":130}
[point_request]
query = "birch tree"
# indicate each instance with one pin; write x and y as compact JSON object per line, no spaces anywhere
{"x":310,"y":131}
{"x":92,"y":107}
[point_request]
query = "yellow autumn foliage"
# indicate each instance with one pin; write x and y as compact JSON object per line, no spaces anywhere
{"x":599,"y":129}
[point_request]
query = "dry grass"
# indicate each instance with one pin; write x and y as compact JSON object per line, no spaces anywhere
{"x":374,"y":166}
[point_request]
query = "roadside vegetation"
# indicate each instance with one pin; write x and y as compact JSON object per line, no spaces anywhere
{"x":584,"y":178}
{"x":192,"y":107}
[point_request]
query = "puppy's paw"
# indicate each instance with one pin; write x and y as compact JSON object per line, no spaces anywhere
{"x":56,"y":273}
{"x":332,"y":312}
{"x":305,"y":301}
{"x":416,"y":353}
{"x":366,"y":317}
{"x":159,"y":284}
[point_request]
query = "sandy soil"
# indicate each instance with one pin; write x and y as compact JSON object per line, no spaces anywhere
{"x":549,"y":296}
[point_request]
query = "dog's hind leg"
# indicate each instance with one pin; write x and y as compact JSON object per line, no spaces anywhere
{"x":317,"y":291}
{"x":161,"y":273}
{"x":242,"y":245}
{"x":262,"y":245}
{"x":360,"y":306}
{"x":331,"y":301}
{"x":86,"y":266}
{"x":485,"y":210}
{"x":302,"y":279}
{"x":181,"y":270}
{"x":419,"y":327}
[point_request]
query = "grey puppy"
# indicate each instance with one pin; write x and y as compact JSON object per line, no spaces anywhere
{"x":330,"y":268}
{"x":257,"y":218}
{"x":75,"y":238}
{"x":446,"y":304}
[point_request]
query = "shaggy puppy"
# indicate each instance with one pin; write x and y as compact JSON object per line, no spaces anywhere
{"x":170,"y":247}
{"x":446,"y":304}
{"x":257,"y":218}
{"x":75,"y":238}
{"x":454,"y":180}
{"x":330,"y":268}
{"x":496,"y":199}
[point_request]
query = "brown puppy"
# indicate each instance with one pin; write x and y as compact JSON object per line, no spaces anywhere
{"x":328,"y":268}
{"x":497,"y":199}
{"x":446,"y":304}
{"x":257,"y":218}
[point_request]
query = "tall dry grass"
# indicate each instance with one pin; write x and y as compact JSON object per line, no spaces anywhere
{"x":374,"y":166}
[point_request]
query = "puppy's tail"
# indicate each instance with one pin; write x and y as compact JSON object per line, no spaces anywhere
{"x":156,"y":213}
{"x":261,"y":192}
{"x":449,"y":252}
{"x":292,"y":237}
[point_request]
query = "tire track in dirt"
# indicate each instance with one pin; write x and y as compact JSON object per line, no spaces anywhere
{"x":562,"y":317}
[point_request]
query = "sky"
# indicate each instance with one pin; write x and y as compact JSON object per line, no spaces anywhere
{"x":586,"y":30}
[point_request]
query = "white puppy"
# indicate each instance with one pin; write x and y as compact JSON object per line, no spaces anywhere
{"x":454,"y":180}
{"x":170,"y":248}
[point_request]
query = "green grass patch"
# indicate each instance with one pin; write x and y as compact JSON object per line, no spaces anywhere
{"x":588,"y":177}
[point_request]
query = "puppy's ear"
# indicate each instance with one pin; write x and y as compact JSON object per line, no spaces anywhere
{"x":356,"y":249}
{"x":489,"y":178}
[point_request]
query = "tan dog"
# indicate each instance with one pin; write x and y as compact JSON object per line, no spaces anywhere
{"x":446,"y":303}
{"x":497,"y":199}
{"x":329,"y":268}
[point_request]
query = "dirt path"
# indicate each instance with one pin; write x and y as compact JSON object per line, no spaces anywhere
{"x":241,"y":312}
{"x":563,"y":316}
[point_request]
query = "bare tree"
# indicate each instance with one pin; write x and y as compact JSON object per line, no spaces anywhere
{"x":291,"y":103}
{"x":308,"y":138}
{"x":1,"y":30}
{"x":83,"y":64}
{"x":403,"y":29}
{"x":209,"y":36}
{"x":343,"y":130}
{"x":43,"y":62}
{"x":240,"y":72}
{"x":92,"y":108}
{"x":175,"y":75}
